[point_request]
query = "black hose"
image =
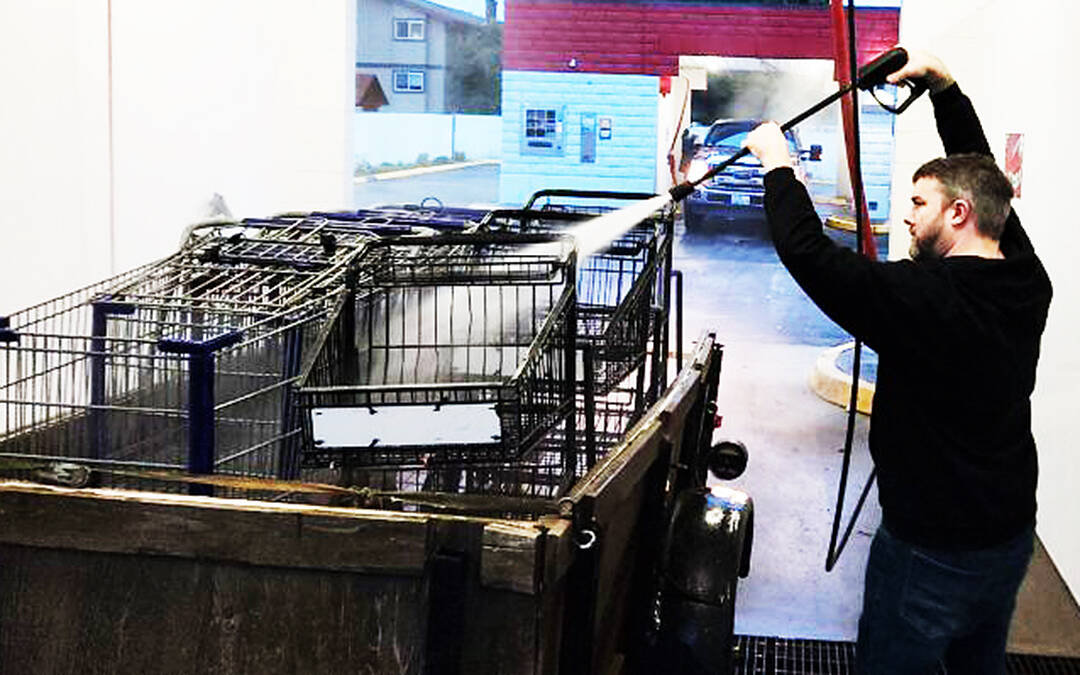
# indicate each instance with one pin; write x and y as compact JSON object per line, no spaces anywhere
{"x":853,"y":402}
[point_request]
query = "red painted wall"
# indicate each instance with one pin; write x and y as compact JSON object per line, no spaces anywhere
{"x":647,"y":38}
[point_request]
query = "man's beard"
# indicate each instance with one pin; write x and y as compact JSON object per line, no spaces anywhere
{"x":924,"y":248}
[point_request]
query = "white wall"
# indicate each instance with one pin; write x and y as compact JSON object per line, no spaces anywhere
{"x":54,"y":189}
{"x":625,"y":159}
{"x":478,"y":136}
{"x":1012,"y":60}
{"x":673,"y":113}
{"x":401,"y":137}
{"x":252,"y":100}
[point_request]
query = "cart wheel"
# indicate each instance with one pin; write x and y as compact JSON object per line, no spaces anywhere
{"x":727,"y":459}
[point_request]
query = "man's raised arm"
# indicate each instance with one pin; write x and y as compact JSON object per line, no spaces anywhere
{"x":957,"y":123}
{"x":959,"y":128}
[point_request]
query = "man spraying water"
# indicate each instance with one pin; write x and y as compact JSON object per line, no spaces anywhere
{"x":957,"y":331}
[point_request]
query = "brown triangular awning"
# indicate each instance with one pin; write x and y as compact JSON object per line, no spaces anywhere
{"x":369,"y":94}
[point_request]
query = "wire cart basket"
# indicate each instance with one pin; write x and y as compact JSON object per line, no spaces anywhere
{"x":620,"y":322}
{"x":623,"y":290}
{"x":436,"y":217}
{"x":448,"y":351}
{"x":183,"y":364}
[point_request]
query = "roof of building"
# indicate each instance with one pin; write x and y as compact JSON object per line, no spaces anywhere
{"x":369,"y":93}
{"x":445,"y":13}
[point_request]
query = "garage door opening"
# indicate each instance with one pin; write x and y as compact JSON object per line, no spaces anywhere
{"x":776,"y":339}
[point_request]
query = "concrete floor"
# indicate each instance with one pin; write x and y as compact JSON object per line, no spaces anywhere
{"x":772,"y":337}
{"x":794,"y":440}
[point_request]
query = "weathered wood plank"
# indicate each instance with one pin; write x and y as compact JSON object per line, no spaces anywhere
{"x":621,"y":539}
{"x":511,"y":557}
{"x":558,"y":551}
{"x":89,"y":612}
{"x":612,"y":466}
{"x":288,"y":535}
{"x":617,"y":476}
{"x":501,"y":635}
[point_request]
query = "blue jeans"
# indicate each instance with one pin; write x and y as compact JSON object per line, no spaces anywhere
{"x":923,"y":607}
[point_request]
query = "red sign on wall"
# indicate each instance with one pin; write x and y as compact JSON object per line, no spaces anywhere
{"x":1014,"y":160}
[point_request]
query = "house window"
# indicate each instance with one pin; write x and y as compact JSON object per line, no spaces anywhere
{"x":409,"y":81}
{"x":543,"y":132}
{"x":408,"y":29}
{"x":540,"y":128}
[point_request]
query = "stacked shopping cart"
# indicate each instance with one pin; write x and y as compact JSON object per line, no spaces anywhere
{"x":405,"y":350}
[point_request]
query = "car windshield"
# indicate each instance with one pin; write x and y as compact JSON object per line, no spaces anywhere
{"x":726,"y":137}
{"x":730,"y":138}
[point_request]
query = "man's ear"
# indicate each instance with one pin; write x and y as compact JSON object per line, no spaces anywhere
{"x":959,"y":211}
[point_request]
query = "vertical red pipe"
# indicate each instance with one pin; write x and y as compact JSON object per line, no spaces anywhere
{"x":841,"y":59}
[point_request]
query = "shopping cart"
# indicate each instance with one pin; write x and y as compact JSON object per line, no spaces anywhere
{"x":624,"y":306}
{"x":186,"y":363}
{"x":452,"y":352}
{"x":624,"y":296}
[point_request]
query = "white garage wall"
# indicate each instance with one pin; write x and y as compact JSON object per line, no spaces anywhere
{"x":401,"y":138}
{"x":1012,"y":59}
{"x":54,"y":190}
{"x":249,"y":99}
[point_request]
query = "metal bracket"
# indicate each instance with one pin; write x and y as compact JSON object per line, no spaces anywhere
{"x":6,"y":334}
{"x":579,"y":618}
{"x":201,"y":450}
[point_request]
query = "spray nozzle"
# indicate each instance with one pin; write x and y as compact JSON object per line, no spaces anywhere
{"x":681,"y":191}
{"x":873,"y":75}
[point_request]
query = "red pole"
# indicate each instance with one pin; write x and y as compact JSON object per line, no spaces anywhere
{"x":841,"y":60}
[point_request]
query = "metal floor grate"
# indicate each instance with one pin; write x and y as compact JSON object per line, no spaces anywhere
{"x":782,"y":656}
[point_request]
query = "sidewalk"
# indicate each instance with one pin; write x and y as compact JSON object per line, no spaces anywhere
{"x":422,"y":170}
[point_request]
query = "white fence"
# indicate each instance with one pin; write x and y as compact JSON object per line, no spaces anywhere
{"x":403,"y":137}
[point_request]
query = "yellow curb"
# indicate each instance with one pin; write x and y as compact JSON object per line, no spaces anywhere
{"x":831,"y":201}
{"x":848,"y":225}
{"x":834,"y":385}
{"x":421,"y":170}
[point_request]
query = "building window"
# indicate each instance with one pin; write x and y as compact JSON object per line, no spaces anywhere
{"x":540,"y":128}
{"x":409,"y":81}
{"x":543,"y":131}
{"x":408,"y":29}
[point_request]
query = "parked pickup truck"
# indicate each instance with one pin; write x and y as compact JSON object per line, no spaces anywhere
{"x":736,"y":193}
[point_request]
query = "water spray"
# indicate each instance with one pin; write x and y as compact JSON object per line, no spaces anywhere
{"x":594,"y":235}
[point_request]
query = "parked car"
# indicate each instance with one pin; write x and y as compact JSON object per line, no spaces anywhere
{"x":737,"y":192}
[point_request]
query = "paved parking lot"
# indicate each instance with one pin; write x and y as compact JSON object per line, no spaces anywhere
{"x":462,"y":187}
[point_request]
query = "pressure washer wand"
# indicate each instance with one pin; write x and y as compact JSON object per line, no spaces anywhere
{"x":870,"y":76}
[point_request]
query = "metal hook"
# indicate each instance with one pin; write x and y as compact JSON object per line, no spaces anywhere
{"x":585,"y":539}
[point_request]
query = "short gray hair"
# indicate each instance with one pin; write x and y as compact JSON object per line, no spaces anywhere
{"x":977,"y":179}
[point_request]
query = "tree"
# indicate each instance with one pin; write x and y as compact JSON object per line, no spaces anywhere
{"x":474,"y":71}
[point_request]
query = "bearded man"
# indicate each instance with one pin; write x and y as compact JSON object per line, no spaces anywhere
{"x":957,"y":331}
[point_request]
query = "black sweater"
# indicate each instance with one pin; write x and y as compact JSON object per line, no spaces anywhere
{"x":957,"y":340}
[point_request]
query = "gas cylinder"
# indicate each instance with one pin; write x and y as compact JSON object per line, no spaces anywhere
{"x":706,"y":550}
